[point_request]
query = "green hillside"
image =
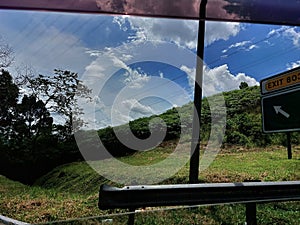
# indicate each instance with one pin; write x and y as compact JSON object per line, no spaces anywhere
{"x":242,"y":112}
{"x":71,"y":190}
{"x":240,"y":108}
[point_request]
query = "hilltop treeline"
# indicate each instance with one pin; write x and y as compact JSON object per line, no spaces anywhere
{"x":240,"y":108}
{"x":31,"y":144}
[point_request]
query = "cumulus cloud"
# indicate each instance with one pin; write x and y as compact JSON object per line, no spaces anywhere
{"x":294,"y":35}
{"x":137,"y":108}
{"x":221,"y":31}
{"x":95,"y":69}
{"x":181,"y":32}
{"x":220,"y":79}
{"x":135,"y":79}
{"x":154,"y":40}
{"x":128,"y":110}
{"x":109,"y":61}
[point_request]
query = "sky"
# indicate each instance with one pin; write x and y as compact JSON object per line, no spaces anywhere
{"x":140,"y":66}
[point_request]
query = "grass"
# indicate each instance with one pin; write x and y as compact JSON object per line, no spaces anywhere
{"x":271,"y":165}
{"x":37,"y":204}
{"x":71,"y":191}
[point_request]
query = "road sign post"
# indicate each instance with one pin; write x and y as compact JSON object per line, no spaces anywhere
{"x":289,"y":145}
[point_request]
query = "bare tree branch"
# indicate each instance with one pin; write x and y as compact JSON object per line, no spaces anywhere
{"x":6,"y":54}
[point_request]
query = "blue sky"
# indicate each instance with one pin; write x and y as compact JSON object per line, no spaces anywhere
{"x":141,"y":66}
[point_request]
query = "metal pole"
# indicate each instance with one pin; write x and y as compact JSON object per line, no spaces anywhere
{"x":289,"y":145}
{"x":131,"y":217}
{"x":195,"y":145}
{"x":251,"y":214}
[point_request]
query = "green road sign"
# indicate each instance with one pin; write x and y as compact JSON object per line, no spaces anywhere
{"x":281,"y":111}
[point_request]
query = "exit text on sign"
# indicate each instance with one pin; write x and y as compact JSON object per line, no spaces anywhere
{"x":280,"y":82}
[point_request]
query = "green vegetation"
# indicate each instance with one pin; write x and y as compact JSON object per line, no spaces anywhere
{"x":71,"y":191}
{"x":36,"y":204}
{"x":242,"y":114}
{"x":31,"y":144}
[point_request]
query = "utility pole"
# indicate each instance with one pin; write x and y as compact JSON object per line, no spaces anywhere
{"x":195,"y":145}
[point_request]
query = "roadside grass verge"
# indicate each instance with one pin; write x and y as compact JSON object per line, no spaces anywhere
{"x":36,"y":204}
{"x":71,"y":191}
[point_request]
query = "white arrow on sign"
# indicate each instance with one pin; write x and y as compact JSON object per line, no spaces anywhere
{"x":279,"y":110}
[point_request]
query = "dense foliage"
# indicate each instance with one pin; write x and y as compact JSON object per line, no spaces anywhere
{"x":31,"y":143}
{"x":242,"y":112}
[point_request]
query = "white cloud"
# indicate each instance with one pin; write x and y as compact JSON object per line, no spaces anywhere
{"x":109,"y":61}
{"x":220,"y":79}
{"x":289,"y":32}
{"x":134,"y":79}
{"x":181,"y":32}
{"x":243,"y":45}
{"x":191,"y":72}
{"x":161,"y":74}
{"x":48,"y":48}
{"x":277,"y":32}
{"x":128,"y":110}
{"x":221,"y":31}
{"x":252,"y":47}
{"x":294,"y":35}
{"x":239,"y":44}
{"x":293,"y":65}
{"x":121,"y":85}
{"x":95,"y":69}
{"x":136,"y":107}
{"x":95,"y":53}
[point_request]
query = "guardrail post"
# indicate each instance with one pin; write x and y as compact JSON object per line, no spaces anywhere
{"x":251,"y":213}
{"x":251,"y":209}
{"x":131,"y":217}
{"x":289,"y":145}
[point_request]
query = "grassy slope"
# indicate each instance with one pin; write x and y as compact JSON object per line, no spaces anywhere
{"x":36,"y":204}
{"x":71,"y":191}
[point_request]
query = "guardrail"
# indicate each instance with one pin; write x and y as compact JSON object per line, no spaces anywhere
{"x":133,"y":197}
{"x":8,"y":221}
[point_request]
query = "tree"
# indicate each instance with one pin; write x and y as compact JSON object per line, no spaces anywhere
{"x":9,"y":93}
{"x":243,"y":85}
{"x":27,"y":146}
{"x":26,"y":120}
{"x":34,"y":117}
{"x":6,"y":54}
{"x":60,"y":93}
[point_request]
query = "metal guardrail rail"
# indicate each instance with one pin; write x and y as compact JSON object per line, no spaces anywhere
{"x":133,"y":197}
{"x":8,"y":221}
